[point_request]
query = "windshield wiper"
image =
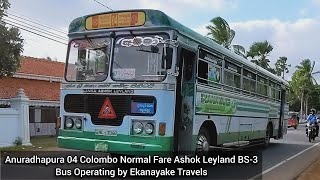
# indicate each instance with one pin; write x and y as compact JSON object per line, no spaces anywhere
{"x":148,"y":51}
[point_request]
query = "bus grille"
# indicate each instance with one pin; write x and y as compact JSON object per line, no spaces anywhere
{"x":91,"y":104}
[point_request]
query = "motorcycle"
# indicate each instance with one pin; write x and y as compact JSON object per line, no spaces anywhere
{"x":311,"y":131}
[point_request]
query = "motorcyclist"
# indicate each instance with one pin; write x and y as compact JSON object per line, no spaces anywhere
{"x":312,"y":118}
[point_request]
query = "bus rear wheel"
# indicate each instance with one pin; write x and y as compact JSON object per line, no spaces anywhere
{"x":203,"y":141}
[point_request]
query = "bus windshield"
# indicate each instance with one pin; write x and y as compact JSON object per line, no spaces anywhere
{"x":88,"y":59}
{"x":139,"y":58}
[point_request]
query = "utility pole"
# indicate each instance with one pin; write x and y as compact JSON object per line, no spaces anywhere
{"x":318,"y":72}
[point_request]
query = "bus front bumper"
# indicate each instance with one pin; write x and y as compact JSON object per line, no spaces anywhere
{"x":129,"y":145}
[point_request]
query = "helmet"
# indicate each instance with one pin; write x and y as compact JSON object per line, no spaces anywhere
{"x":313,"y":111}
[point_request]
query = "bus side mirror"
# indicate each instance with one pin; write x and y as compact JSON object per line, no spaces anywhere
{"x":167,"y":58}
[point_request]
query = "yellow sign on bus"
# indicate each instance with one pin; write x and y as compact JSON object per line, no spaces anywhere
{"x":114,"y":20}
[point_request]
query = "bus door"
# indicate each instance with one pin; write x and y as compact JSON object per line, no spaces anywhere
{"x":281,"y":119}
{"x":185,"y":101}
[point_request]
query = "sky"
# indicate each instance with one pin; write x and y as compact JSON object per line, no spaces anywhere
{"x":291,"y":26}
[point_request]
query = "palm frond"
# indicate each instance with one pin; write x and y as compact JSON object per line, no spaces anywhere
{"x":220,"y":30}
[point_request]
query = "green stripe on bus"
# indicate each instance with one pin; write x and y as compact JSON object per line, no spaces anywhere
{"x":252,"y":105}
{"x":246,"y":109}
{"x":118,"y":142}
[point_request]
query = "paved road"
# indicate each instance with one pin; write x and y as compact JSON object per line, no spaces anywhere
{"x":292,"y":143}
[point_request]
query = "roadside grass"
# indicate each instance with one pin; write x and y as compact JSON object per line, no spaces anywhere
{"x":38,"y":143}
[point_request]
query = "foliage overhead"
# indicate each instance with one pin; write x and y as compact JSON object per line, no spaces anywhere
{"x":282,"y":66}
{"x":4,"y":5}
{"x":306,"y":67}
{"x":220,"y":32}
{"x":304,"y":85}
{"x":11,"y":45}
{"x":240,"y":50}
{"x":259,"y":51}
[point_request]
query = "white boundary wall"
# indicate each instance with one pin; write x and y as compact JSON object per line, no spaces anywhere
{"x":14,"y":121}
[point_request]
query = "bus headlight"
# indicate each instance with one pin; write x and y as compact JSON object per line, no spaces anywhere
{"x":149,"y":128}
{"x":78,"y":123}
{"x":137,"y":127}
{"x":69,"y":122}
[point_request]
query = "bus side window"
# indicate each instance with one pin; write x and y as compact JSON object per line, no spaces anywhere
{"x":278,"y":92}
{"x":249,"y":81}
{"x":203,"y":72}
{"x":272,"y":94}
{"x":232,"y":75}
{"x":262,"y":86}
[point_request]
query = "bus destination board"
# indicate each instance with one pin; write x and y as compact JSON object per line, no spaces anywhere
{"x":115,"y":20}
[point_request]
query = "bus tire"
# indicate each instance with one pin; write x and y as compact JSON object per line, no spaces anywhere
{"x":267,"y":138}
{"x":203,"y":141}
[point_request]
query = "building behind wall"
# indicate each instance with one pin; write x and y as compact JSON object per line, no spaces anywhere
{"x":40,"y":79}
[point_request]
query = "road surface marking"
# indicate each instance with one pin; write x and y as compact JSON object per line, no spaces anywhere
{"x":282,"y":162}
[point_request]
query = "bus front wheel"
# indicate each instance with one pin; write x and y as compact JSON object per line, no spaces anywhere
{"x":203,"y":141}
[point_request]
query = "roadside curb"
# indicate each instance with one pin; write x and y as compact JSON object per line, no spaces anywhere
{"x":292,"y":167}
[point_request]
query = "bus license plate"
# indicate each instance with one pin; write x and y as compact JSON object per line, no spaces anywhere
{"x":106,"y":132}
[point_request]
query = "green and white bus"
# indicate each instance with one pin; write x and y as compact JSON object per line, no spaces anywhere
{"x":138,"y":81}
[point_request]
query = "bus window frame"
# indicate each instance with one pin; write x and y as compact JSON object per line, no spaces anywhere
{"x":272,"y":81}
{"x":227,"y":86}
{"x":141,"y":34}
{"x":82,"y":38}
{"x":248,"y":92}
{"x":218,"y":58}
{"x":258,"y":82}
{"x":287,"y":95}
{"x":222,"y":85}
{"x":278,"y":90}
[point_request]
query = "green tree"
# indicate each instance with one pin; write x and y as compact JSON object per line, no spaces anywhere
{"x":240,"y":50}
{"x":315,"y":98}
{"x":4,"y":5}
{"x":282,"y":66}
{"x":220,"y":32}
{"x":258,"y":52}
{"x":298,"y":88}
{"x":303,"y":83}
{"x":11,"y":45}
{"x":294,"y":101}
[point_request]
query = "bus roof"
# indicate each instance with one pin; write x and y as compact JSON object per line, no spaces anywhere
{"x":156,"y":18}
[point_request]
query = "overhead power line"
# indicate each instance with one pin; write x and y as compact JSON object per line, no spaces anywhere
{"x":13,"y":20}
{"x":35,"y":29}
{"x":32,"y":21}
{"x":103,"y":5}
{"x":27,"y":24}
{"x":36,"y":33}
